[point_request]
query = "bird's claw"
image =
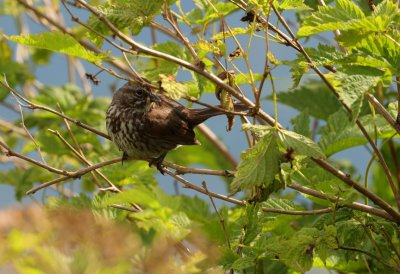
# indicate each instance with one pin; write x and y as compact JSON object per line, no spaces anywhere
{"x":157,"y":162}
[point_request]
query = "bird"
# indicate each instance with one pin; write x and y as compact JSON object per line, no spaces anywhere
{"x":146,"y":126}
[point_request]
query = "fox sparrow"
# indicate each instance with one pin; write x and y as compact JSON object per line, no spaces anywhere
{"x":145,"y":125}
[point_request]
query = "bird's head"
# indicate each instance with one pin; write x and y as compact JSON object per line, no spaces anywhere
{"x":135,"y":94}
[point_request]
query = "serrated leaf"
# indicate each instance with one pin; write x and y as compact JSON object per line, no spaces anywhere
{"x":160,"y":66}
{"x":132,"y":14}
{"x":174,"y":89}
{"x":330,"y":18}
{"x":139,"y":195}
{"x":311,"y":96}
{"x":291,"y":5}
{"x":259,"y":164}
{"x":326,"y":242}
{"x":352,"y":89}
{"x":58,"y":42}
{"x":299,"y":254}
{"x":279,"y":204}
{"x":243,"y":263}
{"x":301,"y":124}
{"x":346,"y":15}
{"x":301,"y":144}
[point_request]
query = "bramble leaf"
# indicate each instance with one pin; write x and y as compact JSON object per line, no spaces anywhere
{"x":259,"y":164}
{"x":58,"y":42}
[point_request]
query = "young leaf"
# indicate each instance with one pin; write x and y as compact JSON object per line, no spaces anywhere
{"x":301,"y":144}
{"x":140,"y":195}
{"x":58,"y":42}
{"x":330,"y":18}
{"x":291,"y":5}
{"x":259,"y":164}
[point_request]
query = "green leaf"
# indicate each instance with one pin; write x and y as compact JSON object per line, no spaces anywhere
{"x":326,"y":242}
{"x":291,"y":5}
{"x":339,"y":134}
{"x":233,"y":31}
{"x":139,"y":195}
{"x":175,"y":90}
{"x":210,"y":14}
{"x":58,"y":42}
{"x":279,"y":204}
{"x":243,"y":263}
{"x":132,"y":14}
{"x":301,"y":144}
{"x":157,"y":66}
{"x":299,"y":254}
{"x":346,"y":15}
{"x":259,"y":164}
{"x":352,"y":89}
{"x":331,"y":18}
{"x":313,"y":96}
{"x":301,"y":124}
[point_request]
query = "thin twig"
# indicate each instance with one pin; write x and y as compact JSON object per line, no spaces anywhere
{"x":221,"y":219}
{"x":11,"y":153}
{"x":32,"y":106}
{"x":139,"y":47}
{"x":221,"y":147}
{"x":189,"y":185}
{"x":373,"y":256}
{"x":180,"y":170}
{"x":76,"y":174}
{"x":85,"y":43}
{"x":354,"y":205}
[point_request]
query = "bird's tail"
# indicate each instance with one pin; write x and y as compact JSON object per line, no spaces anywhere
{"x":198,"y":116}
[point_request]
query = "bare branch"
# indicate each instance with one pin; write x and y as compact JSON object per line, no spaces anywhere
{"x":76,"y":174}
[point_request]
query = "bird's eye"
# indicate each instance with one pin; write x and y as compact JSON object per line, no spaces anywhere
{"x":139,"y":92}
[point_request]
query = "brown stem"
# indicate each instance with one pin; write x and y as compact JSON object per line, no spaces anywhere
{"x":181,"y":170}
{"x":189,"y":185}
{"x":114,"y":62}
{"x":354,"y":205}
{"x":221,"y":219}
{"x":347,"y":179}
{"x":31,"y":105}
{"x":222,"y":149}
{"x":76,"y":174}
{"x":193,"y":67}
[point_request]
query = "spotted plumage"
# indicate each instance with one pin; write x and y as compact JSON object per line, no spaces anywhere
{"x":145,"y":126}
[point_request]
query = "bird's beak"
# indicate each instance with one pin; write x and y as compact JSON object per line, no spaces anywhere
{"x":154,"y":98}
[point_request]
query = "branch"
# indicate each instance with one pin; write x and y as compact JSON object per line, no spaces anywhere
{"x":180,"y":170}
{"x":76,"y":174}
{"x":372,"y":196}
{"x":31,"y":105}
{"x":354,"y":205}
{"x":114,"y":62}
{"x":373,"y":256}
{"x":193,"y":67}
{"x":189,"y":185}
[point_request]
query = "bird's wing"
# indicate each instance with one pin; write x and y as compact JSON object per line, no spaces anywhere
{"x":168,"y":124}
